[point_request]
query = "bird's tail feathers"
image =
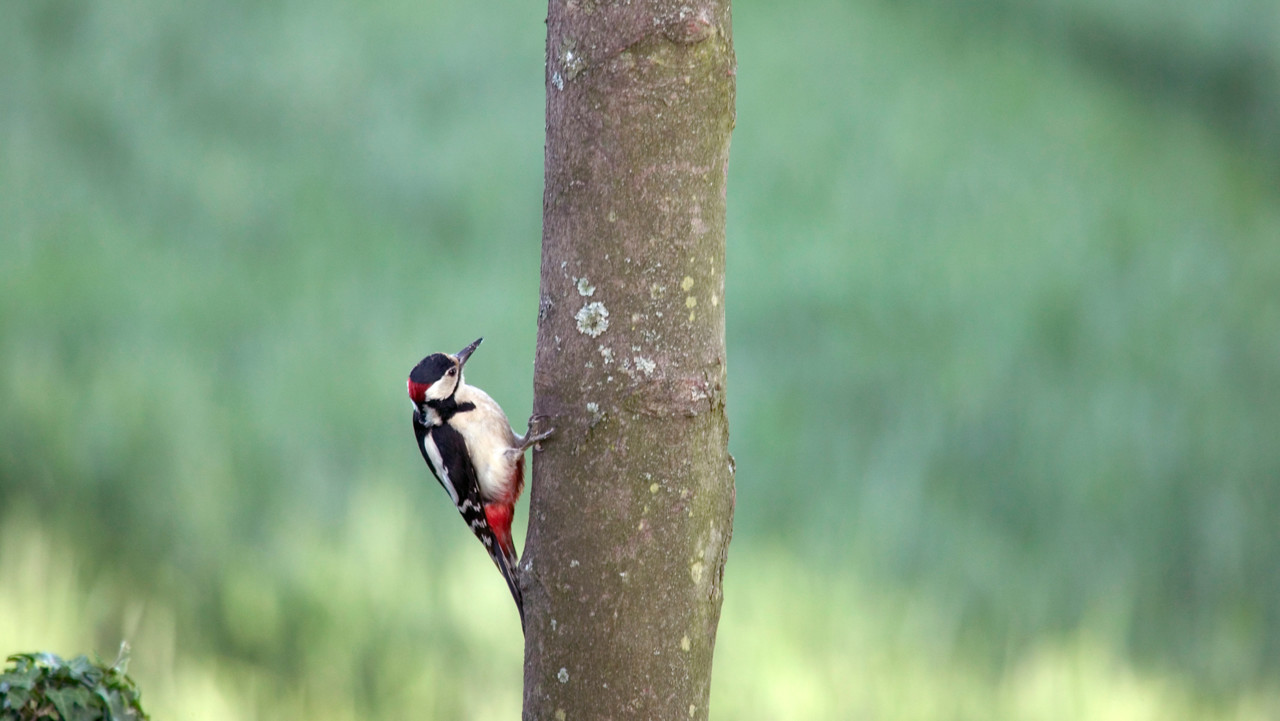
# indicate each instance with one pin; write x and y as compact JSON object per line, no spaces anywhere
{"x":509,"y":566}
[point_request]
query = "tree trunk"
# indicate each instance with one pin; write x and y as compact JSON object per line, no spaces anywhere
{"x":632,"y":499}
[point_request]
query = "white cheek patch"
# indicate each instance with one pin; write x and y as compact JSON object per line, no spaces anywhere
{"x":433,"y":455}
{"x":441,"y":389}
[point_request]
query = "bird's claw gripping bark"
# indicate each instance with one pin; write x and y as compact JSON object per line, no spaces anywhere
{"x":534,"y":435}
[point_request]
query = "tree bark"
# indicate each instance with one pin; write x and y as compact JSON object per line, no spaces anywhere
{"x":632,"y":499}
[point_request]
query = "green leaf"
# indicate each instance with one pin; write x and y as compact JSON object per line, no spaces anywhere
{"x":16,"y":698}
{"x":114,"y":707}
{"x":43,"y":686}
{"x":81,"y":669}
{"x":45,"y":659}
{"x":72,"y":703}
{"x":18,"y":679}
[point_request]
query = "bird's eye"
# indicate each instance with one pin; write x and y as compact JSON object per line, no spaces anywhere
{"x":453,"y":371}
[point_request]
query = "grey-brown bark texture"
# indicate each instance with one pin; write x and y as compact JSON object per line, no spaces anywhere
{"x":632,"y":500}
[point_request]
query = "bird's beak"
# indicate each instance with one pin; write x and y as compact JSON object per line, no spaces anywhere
{"x":465,"y":353}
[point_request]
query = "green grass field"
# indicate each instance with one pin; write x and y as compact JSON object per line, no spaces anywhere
{"x":1003,"y":305}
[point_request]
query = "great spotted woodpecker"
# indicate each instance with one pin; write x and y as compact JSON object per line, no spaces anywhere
{"x":473,"y":452}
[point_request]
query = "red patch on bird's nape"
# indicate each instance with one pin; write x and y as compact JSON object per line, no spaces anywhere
{"x":418,"y":392}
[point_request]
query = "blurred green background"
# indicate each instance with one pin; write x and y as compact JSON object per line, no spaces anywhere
{"x":1004,"y":331}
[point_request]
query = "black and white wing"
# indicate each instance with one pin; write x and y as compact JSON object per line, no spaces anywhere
{"x":445,"y":451}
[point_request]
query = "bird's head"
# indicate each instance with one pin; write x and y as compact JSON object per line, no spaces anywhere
{"x":438,"y":376}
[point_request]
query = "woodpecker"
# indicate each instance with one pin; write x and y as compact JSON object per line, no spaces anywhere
{"x":473,"y":452}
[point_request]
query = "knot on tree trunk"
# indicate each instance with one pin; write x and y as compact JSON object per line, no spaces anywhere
{"x":687,"y":26}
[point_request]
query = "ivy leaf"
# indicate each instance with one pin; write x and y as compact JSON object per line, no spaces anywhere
{"x":72,"y":703}
{"x":42,"y":686}
{"x":15,"y":698}
{"x":43,"y":658}
{"x":113,"y":705}
{"x":81,"y":670}
{"x":17,"y":679}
